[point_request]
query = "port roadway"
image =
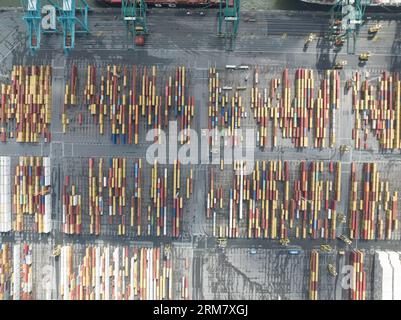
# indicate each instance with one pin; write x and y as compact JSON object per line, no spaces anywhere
{"x":275,"y":39}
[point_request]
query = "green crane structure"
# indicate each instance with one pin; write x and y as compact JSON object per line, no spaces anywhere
{"x":33,"y":19}
{"x":73,"y":17}
{"x":134,"y":15}
{"x":228,"y":21}
{"x":350,"y":13}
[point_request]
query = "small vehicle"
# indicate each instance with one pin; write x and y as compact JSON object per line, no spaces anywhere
{"x":340,"y":64}
{"x":253,"y":251}
{"x":345,"y":239}
{"x":326,"y":248}
{"x":43,"y":192}
{"x":348,"y":84}
{"x":344,"y":148}
{"x":310,"y":38}
{"x":293,"y":251}
{"x":222,"y":242}
{"x":341,"y":252}
{"x":375,"y":28}
{"x":342,"y":218}
{"x":332,"y":270}
{"x":339,"y":41}
{"x":364,"y":56}
{"x":284,"y":242}
{"x":56,"y":251}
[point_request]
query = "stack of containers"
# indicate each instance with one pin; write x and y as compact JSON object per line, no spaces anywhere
{"x":177,"y":200}
{"x":16,"y":275}
{"x":30,"y":102}
{"x":95,"y":196}
{"x":148,"y":97}
{"x":31,"y":194}
{"x":211,"y":199}
{"x":116,"y":183}
{"x":111,"y":190}
{"x":189,"y":184}
{"x":376,"y":216}
{"x":358,"y":287}
{"x":47,"y":218}
{"x":26,"y":272}
{"x":70,"y":96}
{"x":354,"y":219}
{"x":133,"y":109}
{"x":158,"y":194}
{"x":4,"y":109}
{"x":270,"y":207}
{"x":297,"y":116}
{"x":93,"y":101}
{"x":377,"y":107}
{"x":260,"y":104}
{"x":136,"y":197}
{"x":301,"y":114}
{"x":327,"y":103}
{"x":123,"y":99}
{"x":225,"y":112}
{"x":314,"y":275}
{"x":184,"y":105}
{"x":158,"y":222}
{"x":72,"y":208}
{"x":5,"y":194}
{"x":66,"y":273}
{"x":5,"y":271}
{"x":116,"y":273}
{"x":215,"y":99}
{"x":22,"y":280}
{"x":118,"y":103}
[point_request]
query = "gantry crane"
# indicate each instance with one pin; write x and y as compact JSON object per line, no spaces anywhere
{"x":73,"y":16}
{"x":134,"y":15}
{"x":32,"y":18}
{"x":347,"y":17}
{"x":229,"y":16}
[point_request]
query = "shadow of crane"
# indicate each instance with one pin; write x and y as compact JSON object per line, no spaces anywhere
{"x":324,"y":59}
{"x":395,"y":63}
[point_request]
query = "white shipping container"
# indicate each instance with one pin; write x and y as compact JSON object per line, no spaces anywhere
{"x":75,"y":200}
{"x":107,"y":275}
{"x":116,"y":268}
{"x":47,"y":219}
{"x":28,"y":259}
{"x":5,"y":195}
{"x":395,"y":262}
{"x":98,"y":273}
{"x":131,"y":279}
{"x":16,"y":272}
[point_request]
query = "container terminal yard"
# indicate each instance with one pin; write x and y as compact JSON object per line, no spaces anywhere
{"x":84,"y":213}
